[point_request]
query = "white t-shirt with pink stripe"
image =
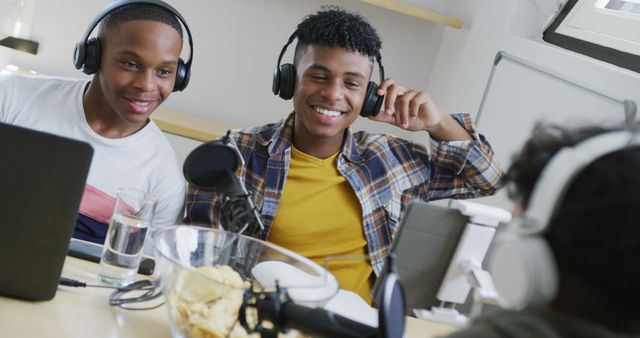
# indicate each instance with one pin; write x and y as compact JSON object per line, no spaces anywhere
{"x":144,"y":160}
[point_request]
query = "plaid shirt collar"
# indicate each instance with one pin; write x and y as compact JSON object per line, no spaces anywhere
{"x":282,"y":139}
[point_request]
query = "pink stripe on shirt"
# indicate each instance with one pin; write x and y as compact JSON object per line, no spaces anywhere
{"x":97,"y":204}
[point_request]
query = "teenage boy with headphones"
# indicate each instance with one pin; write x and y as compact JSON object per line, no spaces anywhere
{"x":345,"y":191}
{"x":569,"y":260}
{"x":135,"y":62}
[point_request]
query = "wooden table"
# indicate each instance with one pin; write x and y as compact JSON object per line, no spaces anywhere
{"x":85,"y":312}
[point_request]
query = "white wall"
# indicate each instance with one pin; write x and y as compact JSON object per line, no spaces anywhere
{"x":237,"y":42}
{"x":519,"y":97}
{"x":236,"y":48}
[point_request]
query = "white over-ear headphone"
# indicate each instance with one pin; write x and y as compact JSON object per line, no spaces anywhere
{"x":521,"y":262}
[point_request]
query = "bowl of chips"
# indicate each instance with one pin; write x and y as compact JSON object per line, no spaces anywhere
{"x":206,"y":274}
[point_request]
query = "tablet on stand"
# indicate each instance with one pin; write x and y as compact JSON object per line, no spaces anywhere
{"x":438,"y":257}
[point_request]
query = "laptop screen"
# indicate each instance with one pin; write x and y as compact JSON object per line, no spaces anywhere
{"x":42,"y":178}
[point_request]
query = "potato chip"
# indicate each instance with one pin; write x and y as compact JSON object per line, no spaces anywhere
{"x":208,"y":309}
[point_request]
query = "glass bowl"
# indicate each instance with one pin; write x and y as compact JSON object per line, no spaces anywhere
{"x":205,"y":273}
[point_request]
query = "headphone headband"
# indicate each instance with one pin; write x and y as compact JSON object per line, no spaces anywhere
{"x":121,"y":3}
{"x":378,"y":57}
{"x":562,"y":169}
{"x":380,"y":67}
{"x":284,"y":48}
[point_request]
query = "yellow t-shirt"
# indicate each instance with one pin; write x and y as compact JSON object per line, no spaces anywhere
{"x":319,"y":216}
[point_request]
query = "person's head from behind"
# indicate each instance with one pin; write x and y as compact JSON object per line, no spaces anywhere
{"x":594,"y":233}
{"x":334,"y":59}
{"x":140,"y":49}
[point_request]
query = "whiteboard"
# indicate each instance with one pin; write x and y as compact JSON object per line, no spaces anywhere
{"x":518,"y":97}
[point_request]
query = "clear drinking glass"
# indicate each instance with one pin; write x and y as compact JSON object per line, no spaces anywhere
{"x":130,"y":222}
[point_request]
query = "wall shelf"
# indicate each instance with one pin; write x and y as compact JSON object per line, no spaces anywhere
{"x":187,"y":125}
{"x":417,"y":12}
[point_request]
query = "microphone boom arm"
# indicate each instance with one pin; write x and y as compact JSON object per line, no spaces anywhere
{"x":237,"y":207}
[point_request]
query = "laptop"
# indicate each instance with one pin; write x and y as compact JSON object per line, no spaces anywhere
{"x":423,"y":247}
{"x":42,"y":178}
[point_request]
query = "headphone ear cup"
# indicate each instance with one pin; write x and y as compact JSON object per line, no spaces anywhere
{"x":275,"y":86}
{"x":92,"y":52}
{"x":372,"y":101}
{"x":523,"y":269}
{"x":286,"y":81}
{"x":79,"y":55}
{"x":183,"y":74}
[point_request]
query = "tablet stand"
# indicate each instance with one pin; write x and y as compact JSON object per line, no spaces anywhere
{"x":465,"y":270}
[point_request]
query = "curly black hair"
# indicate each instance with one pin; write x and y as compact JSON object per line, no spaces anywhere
{"x":139,"y":11}
{"x":545,"y":141}
{"x":594,"y":232}
{"x":333,"y":26}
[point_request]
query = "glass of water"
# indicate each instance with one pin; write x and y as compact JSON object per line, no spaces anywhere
{"x":130,"y":222}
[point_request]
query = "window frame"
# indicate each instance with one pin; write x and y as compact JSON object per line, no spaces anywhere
{"x":597,"y":50}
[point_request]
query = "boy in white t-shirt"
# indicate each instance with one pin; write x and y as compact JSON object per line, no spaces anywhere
{"x":138,"y":58}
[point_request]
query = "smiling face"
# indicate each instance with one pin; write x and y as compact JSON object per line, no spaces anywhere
{"x":331,"y":83}
{"x":137,"y":73}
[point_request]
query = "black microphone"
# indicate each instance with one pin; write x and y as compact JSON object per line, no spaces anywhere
{"x":320,"y":322}
{"x":278,"y":310}
{"x":213,"y":165}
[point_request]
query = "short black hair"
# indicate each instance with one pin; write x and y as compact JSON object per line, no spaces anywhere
{"x":595,"y":232}
{"x":333,"y":26}
{"x":139,"y":11}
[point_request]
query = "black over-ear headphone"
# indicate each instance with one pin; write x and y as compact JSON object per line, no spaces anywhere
{"x":86,"y":55}
{"x":284,"y":79}
{"x":522,"y":263}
